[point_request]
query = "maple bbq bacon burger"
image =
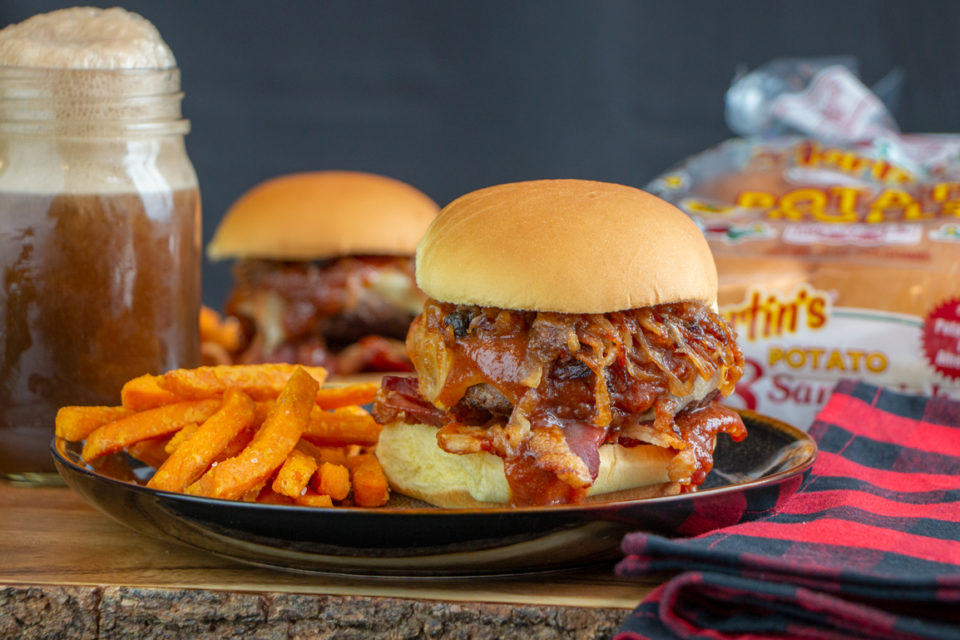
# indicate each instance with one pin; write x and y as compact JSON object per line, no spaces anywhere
{"x":570,"y":348}
{"x":324,"y":272}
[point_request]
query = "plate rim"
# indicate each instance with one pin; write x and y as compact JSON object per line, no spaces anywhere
{"x":797,"y":435}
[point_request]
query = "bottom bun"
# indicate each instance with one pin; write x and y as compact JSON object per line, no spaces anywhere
{"x":417,"y":467}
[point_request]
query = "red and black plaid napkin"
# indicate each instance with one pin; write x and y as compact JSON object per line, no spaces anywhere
{"x":868,"y":547}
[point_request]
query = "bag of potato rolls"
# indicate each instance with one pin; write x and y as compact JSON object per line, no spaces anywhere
{"x":838,"y":257}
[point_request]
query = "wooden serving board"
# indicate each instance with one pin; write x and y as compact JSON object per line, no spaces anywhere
{"x":57,"y":551}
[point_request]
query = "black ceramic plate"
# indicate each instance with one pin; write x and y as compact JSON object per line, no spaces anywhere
{"x":404,"y":538}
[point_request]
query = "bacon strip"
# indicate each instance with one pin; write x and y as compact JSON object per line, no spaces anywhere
{"x":399,"y":400}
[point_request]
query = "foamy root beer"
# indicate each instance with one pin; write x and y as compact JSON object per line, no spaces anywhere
{"x":99,"y":220}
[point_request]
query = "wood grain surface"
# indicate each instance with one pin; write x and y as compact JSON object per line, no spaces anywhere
{"x":55,"y":549}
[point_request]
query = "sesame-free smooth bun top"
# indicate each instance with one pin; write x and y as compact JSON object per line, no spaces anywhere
{"x":570,"y":246}
{"x":324,"y":214}
{"x":85,"y":38}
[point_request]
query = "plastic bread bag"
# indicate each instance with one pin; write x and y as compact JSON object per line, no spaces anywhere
{"x":836,"y":237}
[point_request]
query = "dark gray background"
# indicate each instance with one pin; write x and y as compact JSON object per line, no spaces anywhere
{"x":452,"y":96}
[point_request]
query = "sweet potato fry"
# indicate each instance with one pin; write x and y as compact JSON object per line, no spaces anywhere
{"x":238,"y":443}
{"x":332,"y":480}
{"x":180,"y":437}
{"x":340,"y":427}
{"x":259,"y":381}
{"x":313,"y":500}
{"x":114,"y":436}
{"x":336,"y":397}
{"x":144,"y":393}
{"x":369,"y":482}
{"x":253,"y":493}
{"x":356,"y":450}
{"x":198,"y":451}
{"x":223,"y":331}
{"x":333,"y":455}
{"x":76,"y":423}
{"x":354,"y":460}
{"x":274,"y":441}
{"x":269,"y":496}
{"x":294,"y":474}
{"x":151,"y":451}
{"x":263,"y":409}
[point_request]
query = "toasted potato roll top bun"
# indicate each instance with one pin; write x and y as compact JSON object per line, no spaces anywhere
{"x":568,"y":246}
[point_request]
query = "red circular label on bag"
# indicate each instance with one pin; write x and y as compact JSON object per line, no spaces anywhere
{"x":941,"y":338}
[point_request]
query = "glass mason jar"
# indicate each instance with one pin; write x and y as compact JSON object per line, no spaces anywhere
{"x":99,"y":246}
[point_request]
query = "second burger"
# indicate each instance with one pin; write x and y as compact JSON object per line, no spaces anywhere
{"x":324,"y":272}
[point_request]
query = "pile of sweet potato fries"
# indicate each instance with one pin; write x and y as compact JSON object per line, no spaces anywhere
{"x":266,"y":433}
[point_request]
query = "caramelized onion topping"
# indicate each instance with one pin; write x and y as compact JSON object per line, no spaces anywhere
{"x":539,"y":382}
